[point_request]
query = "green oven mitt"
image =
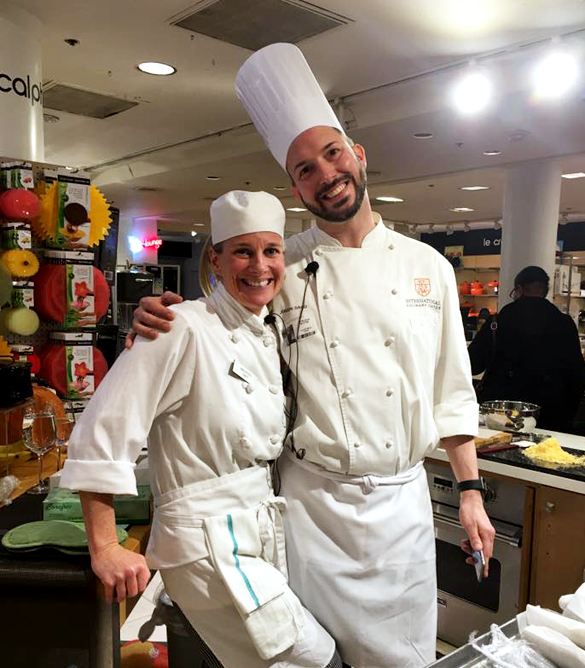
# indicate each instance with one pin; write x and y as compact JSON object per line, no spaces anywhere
{"x":68,"y":537}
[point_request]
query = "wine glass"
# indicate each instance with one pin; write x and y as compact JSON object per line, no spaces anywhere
{"x":38,"y":432}
{"x":63,"y":428}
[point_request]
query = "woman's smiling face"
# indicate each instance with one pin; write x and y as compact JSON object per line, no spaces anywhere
{"x":251,"y":268}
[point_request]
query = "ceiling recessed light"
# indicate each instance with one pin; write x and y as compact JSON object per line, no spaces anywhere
{"x":474,"y":188}
{"x":494,"y":152}
{"x":296,"y":209}
{"x":198,"y":224}
{"x":159,"y":69}
{"x":213,"y":178}
{"x":461,"y":209}
{"x":574,"y":175}
{"x":51,"y":118}
{"x":422,"y":135}
{"x":279,"y":187}
{"x":389,"y":199}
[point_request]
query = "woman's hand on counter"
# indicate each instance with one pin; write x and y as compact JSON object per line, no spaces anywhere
{"x":477,"y":525}
{"x":124,"y":574}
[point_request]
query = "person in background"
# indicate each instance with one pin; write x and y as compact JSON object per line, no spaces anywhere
{"x":208,"y":398}
{"x":370,"y":329}
{"x":531,"y":352}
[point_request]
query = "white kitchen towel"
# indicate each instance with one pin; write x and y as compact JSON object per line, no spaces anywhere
{"x":555,"y":646}
{"x":537,"y":616}
{"x":573,"y":605}
{"x":272,"y":614}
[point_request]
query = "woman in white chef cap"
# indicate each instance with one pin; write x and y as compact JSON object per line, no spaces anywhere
{"x":208,"y":399}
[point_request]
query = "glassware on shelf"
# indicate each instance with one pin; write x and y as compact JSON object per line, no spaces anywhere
{"x":39,"y":436}
{"x":63,"y":428}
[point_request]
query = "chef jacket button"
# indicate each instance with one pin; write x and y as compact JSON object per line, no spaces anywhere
{"x":318,"y":252}
{"x":275,"y":439}
{"x":394,"y":291}
{"x":389,"y":443}
{"x":347,"y":393}
{"x":334,"y":343}
{"x":389,"y":392}
{"x":328,"y":295}
{"x":357,"y":444}
{"x":389,"y":341}
{"x":245,"y":442}
{"x":391,"y":246}
{"x":267,"y":341}
{"x":249,"y":388}
{"x":274,"y":389}
{"x":234,"y":337}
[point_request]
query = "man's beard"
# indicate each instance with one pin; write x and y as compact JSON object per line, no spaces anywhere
{"x":332,"y":216}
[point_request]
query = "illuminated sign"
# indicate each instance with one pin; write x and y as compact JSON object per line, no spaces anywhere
{"x":136,"y":245}
{"x":152,"y":243}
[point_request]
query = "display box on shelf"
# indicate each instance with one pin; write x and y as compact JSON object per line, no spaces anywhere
{"x":63,"y":504}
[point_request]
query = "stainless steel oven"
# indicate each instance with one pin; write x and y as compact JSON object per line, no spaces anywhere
{"x":464,"y":604}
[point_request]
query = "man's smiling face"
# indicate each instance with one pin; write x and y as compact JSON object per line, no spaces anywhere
{"x":328,"y":174}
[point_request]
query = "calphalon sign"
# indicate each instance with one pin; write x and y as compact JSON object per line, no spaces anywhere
{"x":21,"y":86}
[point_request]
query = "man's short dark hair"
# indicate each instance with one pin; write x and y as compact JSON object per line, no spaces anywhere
{"x":533,"y":276}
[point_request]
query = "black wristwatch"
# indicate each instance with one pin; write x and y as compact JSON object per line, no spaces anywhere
{"x":476,"y":483}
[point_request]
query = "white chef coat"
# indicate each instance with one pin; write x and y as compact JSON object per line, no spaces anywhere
{"x":212,"y":417}
{"x":381,"y":373}
{"x":215,"y":406}
{"x":381,"y":366}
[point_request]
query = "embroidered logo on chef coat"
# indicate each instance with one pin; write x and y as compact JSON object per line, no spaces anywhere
{"x":422,"y":286}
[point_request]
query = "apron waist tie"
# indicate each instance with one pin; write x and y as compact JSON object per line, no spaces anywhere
{"x":368,"y":482}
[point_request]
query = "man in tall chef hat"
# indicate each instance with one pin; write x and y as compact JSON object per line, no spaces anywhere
{"x":370,"y":328}
{"x":381,"y":374}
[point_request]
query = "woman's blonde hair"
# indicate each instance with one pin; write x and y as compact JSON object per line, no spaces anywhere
{"x":207,"y":277}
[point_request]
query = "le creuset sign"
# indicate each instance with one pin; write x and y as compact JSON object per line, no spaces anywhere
{"x":21,"y":86}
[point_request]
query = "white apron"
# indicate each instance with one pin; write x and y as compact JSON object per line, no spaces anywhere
{"x":234,"y":521}
{"x":361,"y":556}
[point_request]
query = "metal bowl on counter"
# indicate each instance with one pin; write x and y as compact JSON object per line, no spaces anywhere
{"x":514,"y":416}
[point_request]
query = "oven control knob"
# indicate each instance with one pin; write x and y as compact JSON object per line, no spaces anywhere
{"x":549,"y":506}
{"x":489,"y":493}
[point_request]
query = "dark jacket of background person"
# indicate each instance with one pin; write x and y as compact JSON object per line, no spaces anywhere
{"x":537,"y":359}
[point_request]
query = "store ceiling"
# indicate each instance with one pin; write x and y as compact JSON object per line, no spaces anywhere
{"x":189,"y":126}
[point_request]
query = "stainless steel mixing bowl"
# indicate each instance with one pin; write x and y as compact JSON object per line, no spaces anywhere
{"x":515,"y":416}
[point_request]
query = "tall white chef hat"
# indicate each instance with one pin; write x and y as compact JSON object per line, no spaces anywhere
{"x":242,"y":212}
{"x":282,"y":97}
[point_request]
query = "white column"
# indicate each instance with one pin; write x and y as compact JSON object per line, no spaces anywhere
{"x":531,"y":213}
{"x":21,"y":108}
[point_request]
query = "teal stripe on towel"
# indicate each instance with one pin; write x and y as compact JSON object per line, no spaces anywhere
{"x":235,"y":553}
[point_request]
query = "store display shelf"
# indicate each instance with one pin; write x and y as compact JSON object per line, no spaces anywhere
{"x":493,"y":294}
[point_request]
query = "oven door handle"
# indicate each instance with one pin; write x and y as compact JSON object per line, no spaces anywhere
{"x":514,"y":541}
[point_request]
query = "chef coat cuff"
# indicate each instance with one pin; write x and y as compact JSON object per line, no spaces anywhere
{"x":460,"y":420}
{"x":101,"y":477}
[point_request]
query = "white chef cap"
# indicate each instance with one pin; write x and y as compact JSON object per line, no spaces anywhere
{"x":282,"y":97}
{"x":241,"y":212}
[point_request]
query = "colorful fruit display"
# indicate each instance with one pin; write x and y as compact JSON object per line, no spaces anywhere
{"x":20,"y":263}
{"x":19,"y":204}
{"x":51,"y":297}
{"x":19,"y":320}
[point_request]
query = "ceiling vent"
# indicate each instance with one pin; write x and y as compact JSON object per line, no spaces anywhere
{"x":73,"y":100}
{"x":257,"y":23}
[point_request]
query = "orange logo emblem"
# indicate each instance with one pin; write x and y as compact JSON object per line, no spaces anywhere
{"x":422,"y":286}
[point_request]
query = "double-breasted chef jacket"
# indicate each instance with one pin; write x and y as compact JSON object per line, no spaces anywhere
{"x":208,"y":399}
{"x":383,"y":370}
{"x":380,"y":372}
